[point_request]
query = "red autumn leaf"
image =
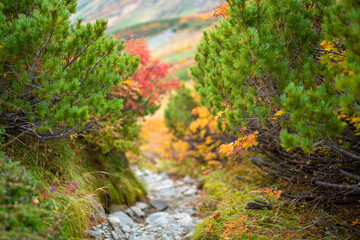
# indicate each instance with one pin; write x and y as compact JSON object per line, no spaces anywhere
{"x":216,"y":216}
{"x":151,"y":81}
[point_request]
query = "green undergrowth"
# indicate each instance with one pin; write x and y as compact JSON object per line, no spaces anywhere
{"x":229,"y":190}
{"x":68,"y":182}
{"x":115,"y":177}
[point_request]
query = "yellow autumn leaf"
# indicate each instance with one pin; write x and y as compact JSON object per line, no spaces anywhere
{"x":279,"y":113}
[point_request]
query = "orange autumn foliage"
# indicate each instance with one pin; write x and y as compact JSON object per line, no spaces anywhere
{"x":271,"y":192}
{"x":222,"y":10}
{"x":235,"y":228}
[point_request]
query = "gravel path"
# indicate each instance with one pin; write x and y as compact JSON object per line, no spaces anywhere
{"x":169,"y":214}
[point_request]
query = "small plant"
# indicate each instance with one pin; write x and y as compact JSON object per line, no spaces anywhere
{"x":21,"y":214}
{"x":235,"y":228}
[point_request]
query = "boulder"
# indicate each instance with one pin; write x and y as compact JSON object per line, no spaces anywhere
{"x":159,"y":205}
{"x":98,"y":211}
{"x":120,"y":219}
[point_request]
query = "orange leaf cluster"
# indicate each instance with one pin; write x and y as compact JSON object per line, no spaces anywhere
{"x":222,"y":10}
{"x":235,"y":228}
{"x":242,"y":143}
{"x":274,"y":193}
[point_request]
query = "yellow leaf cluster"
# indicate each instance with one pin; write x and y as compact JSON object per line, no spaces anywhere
{"x":204,"y":119}
{"x":332,"y":56}
{"x":242,"y":143}
{"x":353,"y":119}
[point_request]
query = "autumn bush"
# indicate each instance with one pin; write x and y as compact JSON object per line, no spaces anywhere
{"x":285,"y":74}
{"x":141,"y":94}
{"x":195,"y":130}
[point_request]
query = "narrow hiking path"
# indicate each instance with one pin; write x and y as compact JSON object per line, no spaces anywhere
{"x":169,"y":214}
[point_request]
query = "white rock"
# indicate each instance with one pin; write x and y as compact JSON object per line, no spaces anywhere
{"x":138,"y":211}
{"x":164,"y":175}
{"x":186,"y":221}
{"x":126,"y":229}
{"x":178,"y":216}
{"x":161,"y":219}
{"x":115,"y":236}
{"x":130,"y":212}
{"x":120,"y":218}
{"x":190,"y":191}
{"x":141,"y":205}
{"x":188,"y":180}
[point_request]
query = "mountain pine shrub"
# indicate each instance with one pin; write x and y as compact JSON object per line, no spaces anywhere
{"x":55,"y":77}
{"x":178,"y":112}
{"x":287,"y":71}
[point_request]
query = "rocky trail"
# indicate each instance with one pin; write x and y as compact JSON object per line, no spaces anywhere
{"x":169,"y":214}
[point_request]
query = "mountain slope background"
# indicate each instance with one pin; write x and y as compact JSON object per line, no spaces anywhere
{"x":172,"y":28}
{"x":126,"y":13}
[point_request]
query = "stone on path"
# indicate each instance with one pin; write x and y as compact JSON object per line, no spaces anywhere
{"x":98,"y":210}
{"x":178,"y":216}
{"x":186,"y":220}
{"x":159,"y":205}
{"x":168,"y":183}
{"x":190,"y":191}
{"x":141,"y":205}
{"x":120,"y":219}
{"x":188,"y":180}
{"x":177,"y":197}
{"x":126,"y":228}
{"x":130,"y":212}
{"x":137,"y":211}
{"x":161,"y":219}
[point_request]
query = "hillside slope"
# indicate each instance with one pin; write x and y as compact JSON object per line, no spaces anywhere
{"x":125,"y":13}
